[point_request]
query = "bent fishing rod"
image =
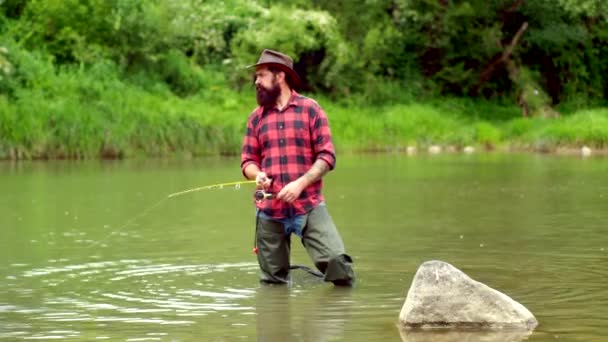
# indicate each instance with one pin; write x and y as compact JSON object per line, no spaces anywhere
{"x":235,"y":185}
{"x":259,"y":195}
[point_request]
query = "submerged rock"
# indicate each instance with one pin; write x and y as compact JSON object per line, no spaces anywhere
{"x":585,"y":151}
{"x":434,"y":149}
{"x":442,"y":296}
{"x":468,"y":149}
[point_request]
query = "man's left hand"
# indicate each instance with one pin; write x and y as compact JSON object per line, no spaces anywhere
{"x":290,"y":192}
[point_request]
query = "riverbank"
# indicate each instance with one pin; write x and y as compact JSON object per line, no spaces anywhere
{"x":96,"y":115}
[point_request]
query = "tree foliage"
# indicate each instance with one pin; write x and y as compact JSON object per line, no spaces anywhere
{"x":534,"y":52}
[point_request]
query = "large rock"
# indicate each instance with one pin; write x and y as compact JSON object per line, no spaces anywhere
{"x":442,"y":296}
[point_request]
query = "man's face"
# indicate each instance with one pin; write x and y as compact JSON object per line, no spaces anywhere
{"x":267,"y":88}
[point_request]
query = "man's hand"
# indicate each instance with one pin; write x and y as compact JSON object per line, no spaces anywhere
{"x":291,"y":191}
{"x":262,"y":181}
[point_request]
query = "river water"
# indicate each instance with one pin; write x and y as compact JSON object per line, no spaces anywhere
{"x":96,"y":251}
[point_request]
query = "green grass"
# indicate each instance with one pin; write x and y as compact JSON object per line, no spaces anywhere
{"x":93,"y":113}
{"x":585,"y":127}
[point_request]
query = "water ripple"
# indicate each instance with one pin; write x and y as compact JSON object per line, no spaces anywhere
{"x":135,"y":292}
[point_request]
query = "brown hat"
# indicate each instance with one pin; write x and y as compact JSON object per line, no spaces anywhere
{"x":281,"y":61}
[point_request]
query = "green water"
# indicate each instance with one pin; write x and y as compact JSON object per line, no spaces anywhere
{"x":94,"y":251}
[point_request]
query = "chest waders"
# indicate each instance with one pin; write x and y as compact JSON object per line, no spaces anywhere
{"x":320,"y":238}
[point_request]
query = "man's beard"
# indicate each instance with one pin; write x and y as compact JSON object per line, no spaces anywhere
{"x":267,"y":97}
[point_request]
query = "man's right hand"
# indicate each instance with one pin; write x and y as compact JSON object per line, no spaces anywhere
{"x":262,"y":181}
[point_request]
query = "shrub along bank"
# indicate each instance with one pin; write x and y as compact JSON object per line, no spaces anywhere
{"x":92,"y":113}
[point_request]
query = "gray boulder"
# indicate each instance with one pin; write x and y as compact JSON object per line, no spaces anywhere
{"x":442,"y":296}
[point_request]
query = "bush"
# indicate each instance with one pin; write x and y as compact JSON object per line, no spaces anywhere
{"x":183,"y":77}
{"x":487,"y":134}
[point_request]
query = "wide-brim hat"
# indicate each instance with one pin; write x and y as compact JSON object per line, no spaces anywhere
{"x":281,"y":61}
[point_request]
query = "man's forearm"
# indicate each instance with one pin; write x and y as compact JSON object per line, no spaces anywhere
{"x":315,"y":173}
{"x":251,"y":171}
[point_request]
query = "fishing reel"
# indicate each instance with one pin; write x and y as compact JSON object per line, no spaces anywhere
{"x":261,"y":195}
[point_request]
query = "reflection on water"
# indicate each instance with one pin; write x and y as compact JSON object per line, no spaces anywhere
{"x":283,"y":315}
{"x":90,"y":250}
{"x":463,"y":336}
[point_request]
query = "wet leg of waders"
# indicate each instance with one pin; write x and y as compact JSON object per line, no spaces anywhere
{"x":325,"y":247}
{"x":273,"y":251}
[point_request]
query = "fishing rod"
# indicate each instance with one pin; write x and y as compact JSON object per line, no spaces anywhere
{"x":259,"y":195}
{"x":235,"y":185}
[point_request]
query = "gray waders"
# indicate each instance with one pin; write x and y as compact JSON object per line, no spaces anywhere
{"x":321,"y":239}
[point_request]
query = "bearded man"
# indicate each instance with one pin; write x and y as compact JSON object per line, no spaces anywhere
{"x":288,"y":149}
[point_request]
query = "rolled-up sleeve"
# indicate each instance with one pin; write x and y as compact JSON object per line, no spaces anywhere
{"x":250,"y":153}
{"x":321,"y":137}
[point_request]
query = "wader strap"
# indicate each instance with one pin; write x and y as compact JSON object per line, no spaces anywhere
{"x":255,"y":234}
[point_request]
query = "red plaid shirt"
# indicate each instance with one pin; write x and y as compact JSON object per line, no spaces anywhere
{"x":285,"y":144}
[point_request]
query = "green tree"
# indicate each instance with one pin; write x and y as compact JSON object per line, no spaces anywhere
{"x":311,"y":37}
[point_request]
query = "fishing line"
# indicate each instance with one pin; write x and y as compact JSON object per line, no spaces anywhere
{"x":130,"y":221}
{"x":234,"y":185}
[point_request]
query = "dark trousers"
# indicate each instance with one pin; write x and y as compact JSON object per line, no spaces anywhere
{"x":321,"y":239}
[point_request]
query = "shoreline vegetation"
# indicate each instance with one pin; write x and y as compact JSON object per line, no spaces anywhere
{"x":93,"y":114}
{"x":84,"y":79}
